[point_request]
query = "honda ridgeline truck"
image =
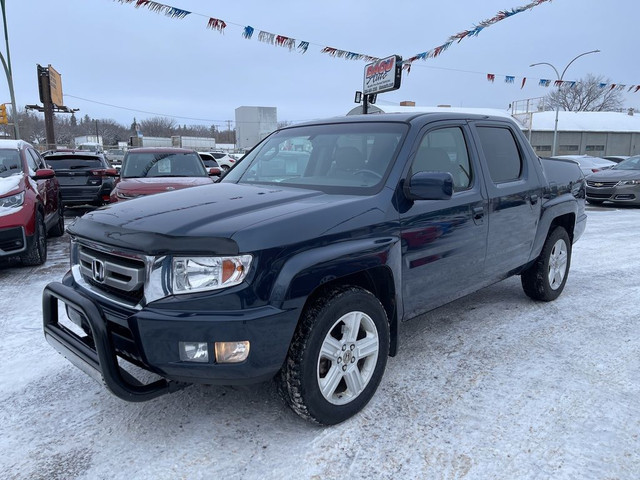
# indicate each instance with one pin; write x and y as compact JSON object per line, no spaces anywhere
{"x":304,"y":260}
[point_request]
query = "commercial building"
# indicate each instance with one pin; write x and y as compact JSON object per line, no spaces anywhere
{"x":253,"y":124}
{"x":583,"y":133}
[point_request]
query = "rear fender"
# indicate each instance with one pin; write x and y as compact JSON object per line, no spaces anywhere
{"x":564,"y":206}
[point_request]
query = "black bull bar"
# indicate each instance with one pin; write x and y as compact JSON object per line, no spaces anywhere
{"x":99,"y":361}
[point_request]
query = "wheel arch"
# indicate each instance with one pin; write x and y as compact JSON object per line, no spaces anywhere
{"x":561,"y":212}
{"x":371,"y":264}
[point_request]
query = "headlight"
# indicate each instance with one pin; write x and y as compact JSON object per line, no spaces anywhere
{"x":126,"y":196}
{"x":199,"y":274}
{"x":629,"y":182}
{"x":12,"y":201}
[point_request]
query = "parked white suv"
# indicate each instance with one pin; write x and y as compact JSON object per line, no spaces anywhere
{"x":224,"y":160}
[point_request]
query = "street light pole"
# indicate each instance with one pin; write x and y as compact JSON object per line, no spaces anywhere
{"x":560,"y":77}
{"x":7,"y":71}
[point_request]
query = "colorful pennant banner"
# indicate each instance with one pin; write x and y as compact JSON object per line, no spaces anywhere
{"x":473,"y":32}
{"x":290,"y":43}
{"x":544,"y":82}
{"x":302,"y":46}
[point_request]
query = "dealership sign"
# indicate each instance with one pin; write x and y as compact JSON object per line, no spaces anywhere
{"x":383,"y":75}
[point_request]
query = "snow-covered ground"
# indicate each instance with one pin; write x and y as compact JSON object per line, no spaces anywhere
{"x":493,"y":386}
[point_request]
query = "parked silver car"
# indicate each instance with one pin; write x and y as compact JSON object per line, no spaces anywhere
{"x":588,"y":164}
{"x":619,"y":184}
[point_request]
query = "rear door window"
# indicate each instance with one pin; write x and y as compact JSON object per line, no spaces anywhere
{"x":501,"y":153}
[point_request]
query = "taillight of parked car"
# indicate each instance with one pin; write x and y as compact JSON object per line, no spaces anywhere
{"x":105,"y":172}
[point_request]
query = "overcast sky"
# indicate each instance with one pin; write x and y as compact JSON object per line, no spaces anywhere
{"x":121,"y":62}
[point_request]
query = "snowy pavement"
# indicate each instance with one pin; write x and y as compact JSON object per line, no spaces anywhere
{"x":493,"y":386}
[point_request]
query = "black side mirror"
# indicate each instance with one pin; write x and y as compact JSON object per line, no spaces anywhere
{"x":429,"y":186}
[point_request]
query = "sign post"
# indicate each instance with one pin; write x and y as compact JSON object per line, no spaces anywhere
{"x":50,"y":90}
{"x":381,"y":76}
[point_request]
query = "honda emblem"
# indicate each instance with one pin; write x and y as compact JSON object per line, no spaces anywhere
{"x":98,"y":270}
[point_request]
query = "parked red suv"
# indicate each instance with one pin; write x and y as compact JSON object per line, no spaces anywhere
{"x":30,"y":204}
{"x":150,"y":170}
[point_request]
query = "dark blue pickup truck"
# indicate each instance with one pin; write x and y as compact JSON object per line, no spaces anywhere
{"x":303,"y":261}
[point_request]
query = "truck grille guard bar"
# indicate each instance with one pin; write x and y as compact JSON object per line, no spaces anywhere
{"x":100,"y":363}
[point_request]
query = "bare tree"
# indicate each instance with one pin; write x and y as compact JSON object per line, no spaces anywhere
{"x":158,"y":127}
{"x":586,"y":95}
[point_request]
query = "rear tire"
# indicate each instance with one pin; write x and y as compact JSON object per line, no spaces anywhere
{"x":37,"y":251}
{"x":337,"y":356}
{"x":546,"y":278}
{"x":58,"y":229}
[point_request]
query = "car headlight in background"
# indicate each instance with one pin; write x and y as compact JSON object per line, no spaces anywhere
{"x":628,"y":182}
{"x":12,"y":201}
{"x":126,"y":196}
{"x":199,"y":274}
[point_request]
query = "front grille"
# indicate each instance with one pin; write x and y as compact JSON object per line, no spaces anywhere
{"x":115,"y":275}
{"x":597,"y":184}
{"x":598,"y":196}
{"x":12,"y":240}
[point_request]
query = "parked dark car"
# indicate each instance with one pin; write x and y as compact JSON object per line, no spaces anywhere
{"x":151,"y":170}
{"x":30,"y":203}
{"x":303,"y":264}
{"x":86,"y":178}
{"x":619,"y":184}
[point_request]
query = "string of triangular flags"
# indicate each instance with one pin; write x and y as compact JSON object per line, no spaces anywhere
{"x":472,"y":32}
{"x":302,"y":46}
{"x":545,"y":82}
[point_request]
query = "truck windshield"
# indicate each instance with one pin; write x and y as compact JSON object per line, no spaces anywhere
{"x":341,"y":158}
{"x":163,"y":165}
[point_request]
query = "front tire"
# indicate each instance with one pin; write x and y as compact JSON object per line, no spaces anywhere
{"x":337,"y":356}
{"x":546,"y":278}
{"x":37,"y":251}
{"x":594,"y":202}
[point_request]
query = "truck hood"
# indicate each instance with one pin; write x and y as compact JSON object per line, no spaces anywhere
{"x":225,"y":218}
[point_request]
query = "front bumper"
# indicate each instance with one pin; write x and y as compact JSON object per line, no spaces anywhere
{"x":149,"y":338}
{"x":624,"y":194}
{"x":13,"y":241}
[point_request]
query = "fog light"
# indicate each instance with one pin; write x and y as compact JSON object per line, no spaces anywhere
{"x":193,"y":351}
{"x":231,"y":352}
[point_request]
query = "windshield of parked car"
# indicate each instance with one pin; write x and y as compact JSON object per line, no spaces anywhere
{"x":145,"y":164}
{"x":631,"y":163}
{"x":10,"y":163}
{"x":337,"y":158}
{"x":73,"y":162}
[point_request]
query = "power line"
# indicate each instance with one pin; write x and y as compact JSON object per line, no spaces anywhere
{"x":145,"y":111}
